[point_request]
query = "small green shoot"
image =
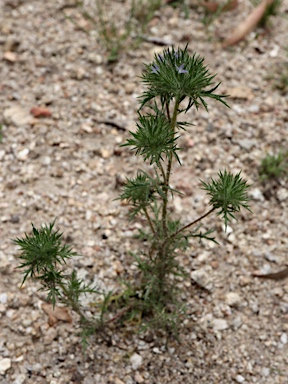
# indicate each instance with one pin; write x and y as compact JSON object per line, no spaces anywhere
{"x":274,"y":166}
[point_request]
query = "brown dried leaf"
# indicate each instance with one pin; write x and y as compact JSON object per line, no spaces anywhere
{"x":40,"y":112}
{"x":214,"y":6}
{"x":10,"y":56}
{"x":241,"y":92}
{"x":56,"y":314}
{"x":248,"y":25}
{"x":281,"y":275}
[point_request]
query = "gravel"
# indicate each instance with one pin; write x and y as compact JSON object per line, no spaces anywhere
{"x":69,"y":165}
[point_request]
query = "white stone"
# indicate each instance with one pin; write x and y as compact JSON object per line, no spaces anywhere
{"x":270,"y":257}
{"x":227,"y":229}
{"x":247,"y":143}
{"x":118,"y":381}
{"x":46,"y":160}
{"x":136,"y":361}
{"x":138,"y":378}
{"x":257,"y":194}
{"x":231,"y":238}
{"x":4,"y":261}
{"x":20,"y":379}
{"x":5,"y":364}
{"x":220,"y":324}
{"x":206,"y":321}
{"x":283,"y":338}
{"x":105,"y":153}
{"x":237,"y":322}
{"x":233,"y":299}
{"x":17,"y":116}
{"x":282,"y":194}
{"x":177,"y":202}
{"x":265,"y":371}
{"x":23,"y":155}
{"x":274,"y":52}
{"x":88,"y":215}
{"x":240,"y":379}
{"x":99,"y":71}
{"x":204,"y":256}
{"x":95,"y":58}
{"x":3,"y":298}
{"x":203,"y":278}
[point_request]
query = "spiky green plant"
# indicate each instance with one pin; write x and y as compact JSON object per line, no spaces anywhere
{"x":274,"y":166}
{"x":176,"y":82}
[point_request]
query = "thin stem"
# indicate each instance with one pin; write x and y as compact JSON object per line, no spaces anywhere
{"x":120,"y":314}
{"x":190,"y":224}
{"x":151,"y":250}
{"x":167,"y":110}
{"x":75,"y":306}
{"x":162,"y":172}
{"x":168,"y":172}
{"x":150,"y":222}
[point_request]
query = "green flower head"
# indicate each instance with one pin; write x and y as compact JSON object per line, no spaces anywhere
{"x":177,"y":74}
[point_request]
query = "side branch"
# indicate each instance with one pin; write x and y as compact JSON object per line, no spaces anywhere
{"x":190,"y":224}
{"x":150,"y":222}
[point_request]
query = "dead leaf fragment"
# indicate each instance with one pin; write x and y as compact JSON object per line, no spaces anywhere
{"x":214,"y":6}
{"x":241,"y":92}
{"x":40,"y":112}
{"x":281,"y":275}
{"x":247,"y":25}
{"x":10,"y":56}
{"x":56,"y":314}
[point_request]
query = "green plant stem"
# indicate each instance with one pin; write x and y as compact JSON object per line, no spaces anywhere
{"x":167,"y":110}
{"x":74,"y":305}
{"x":190,"y":224}
{"x":162,"y":172}
{"x":73,"y":21}
{"x":168,"y":172}
{"x":150,"y":222}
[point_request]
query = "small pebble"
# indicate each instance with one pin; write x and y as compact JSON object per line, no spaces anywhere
{"x":265,"y":371}
{"x":17,"y":116}
{"x":270,"y":257}
{"x":46,"y":160}
{"x":136,"y":361}
{"x":283,"y":338}
{"x":23,"y":155}
{"x":278,"y":291}
{"x":171,"y":350}
{"x":19,"y":379}
{"x":2,"y":154}
{"x":118,"y":381}
{"x":240,"y":379}
{"x":138,"y":378}
{"x":95,"y":58}
{"x":203,"y":278}
{"x":220,"y":324}
{"x":15,"y":219}
{"x":256,"y":194}
{"x":3,"y":298}
{"x":233,"y":299}
{"x":247,"y":144}
{"x":282,"y":194}
{"x":5,"y":364}
{"x":237,"y":322}
{"x":105,"y":153}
